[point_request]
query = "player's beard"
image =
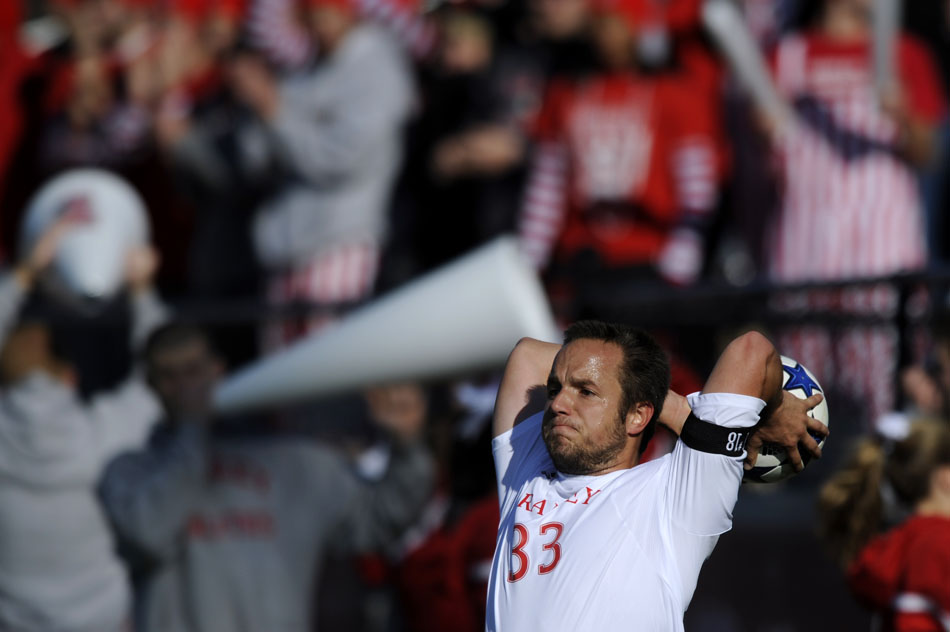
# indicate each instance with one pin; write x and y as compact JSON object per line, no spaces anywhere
{"x":580,"y":457}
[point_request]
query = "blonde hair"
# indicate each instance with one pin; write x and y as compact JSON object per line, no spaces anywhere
{"x":850,"y":505}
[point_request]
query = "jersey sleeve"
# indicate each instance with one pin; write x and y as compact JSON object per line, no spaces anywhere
{"x":149,"y":494}
{"x":703,"y":486}
{"x":920,"y":81}
{"x":519,"y":455}
{"x":545,"y":199}
{"x":548,"y":124}
{"x":697,"y":148}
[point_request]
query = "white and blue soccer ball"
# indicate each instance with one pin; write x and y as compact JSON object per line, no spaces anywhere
{"x":772,"y":464}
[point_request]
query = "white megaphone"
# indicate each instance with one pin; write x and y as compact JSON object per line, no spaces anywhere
{"x":111,"y":219}
{"x":463,"y":317}
{"x":724,"y":22}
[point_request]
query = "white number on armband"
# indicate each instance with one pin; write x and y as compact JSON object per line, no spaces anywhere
{"x":736,"y":442}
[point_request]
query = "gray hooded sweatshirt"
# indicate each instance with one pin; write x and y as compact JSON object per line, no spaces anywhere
{"x":338,"y":136}
{"x":235,"y":527}
{"x":58,"y":568}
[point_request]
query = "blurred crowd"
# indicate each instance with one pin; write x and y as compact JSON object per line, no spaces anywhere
{"x":324,"y":152}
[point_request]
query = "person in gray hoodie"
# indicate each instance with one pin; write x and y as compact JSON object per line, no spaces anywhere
{"x":58,"y":566}
{"x":335,"y":129}
{"x":230,"y":520}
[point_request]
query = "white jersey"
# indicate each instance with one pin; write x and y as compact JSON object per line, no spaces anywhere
{"x":620,"y":551}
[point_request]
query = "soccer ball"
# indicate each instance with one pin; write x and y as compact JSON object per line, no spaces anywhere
{"x":772,"y":463}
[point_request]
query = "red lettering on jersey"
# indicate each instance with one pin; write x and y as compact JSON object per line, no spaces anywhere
{"x":526,"y":501}
{"x":553,"y":546}
{"x":232,"y":471}
{"x":517,"y":552}
{"x":236,"y":524}
{"x":573,"y":502}
{"x":590,"y":494}
{"x":540,"y":509}
{"x":198,"y":527}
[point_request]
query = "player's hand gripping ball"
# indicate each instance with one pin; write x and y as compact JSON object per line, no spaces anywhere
{"x":772,"y":464}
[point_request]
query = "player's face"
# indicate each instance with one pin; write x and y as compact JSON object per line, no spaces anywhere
{"x":582,"y":426}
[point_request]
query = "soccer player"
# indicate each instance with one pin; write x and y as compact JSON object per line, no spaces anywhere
{"x":588,"y":540}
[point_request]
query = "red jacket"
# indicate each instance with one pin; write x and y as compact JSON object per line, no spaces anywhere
{"x":620,"y":158}
{"x":905,"y":575}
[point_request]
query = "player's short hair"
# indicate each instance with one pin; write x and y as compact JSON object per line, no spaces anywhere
{"x":644,"y":373}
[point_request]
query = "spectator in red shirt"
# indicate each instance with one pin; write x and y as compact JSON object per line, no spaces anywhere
{"x":850,"y":205}
{"x":627,"y":165}
{"x":904,"y":574}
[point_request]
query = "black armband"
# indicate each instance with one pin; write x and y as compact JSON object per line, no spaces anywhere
{"x":706,"y":437}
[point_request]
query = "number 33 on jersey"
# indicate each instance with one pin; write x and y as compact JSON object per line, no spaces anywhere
{"x":521,"y":563}
{"x":545,"y":551}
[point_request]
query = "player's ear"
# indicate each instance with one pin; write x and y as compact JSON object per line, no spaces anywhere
{"x":638,"y":416}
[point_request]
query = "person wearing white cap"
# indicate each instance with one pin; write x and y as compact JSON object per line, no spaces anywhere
{"x":58,"y":566}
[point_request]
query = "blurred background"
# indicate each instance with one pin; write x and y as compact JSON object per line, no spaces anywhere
{"x":298,"y":159}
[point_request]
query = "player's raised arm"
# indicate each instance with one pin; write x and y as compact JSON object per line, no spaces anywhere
{"x":750,"y":365}
{"x":522,"y":391}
